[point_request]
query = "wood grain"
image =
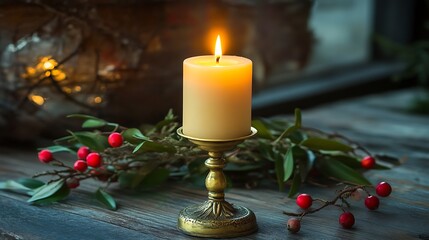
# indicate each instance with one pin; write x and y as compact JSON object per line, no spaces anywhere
{"x":379,"y":122}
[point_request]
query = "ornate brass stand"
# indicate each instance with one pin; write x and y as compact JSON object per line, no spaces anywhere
{"x":216,"y":218}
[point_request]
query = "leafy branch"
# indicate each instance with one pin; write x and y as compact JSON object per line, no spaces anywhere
{"x":284,"y":152}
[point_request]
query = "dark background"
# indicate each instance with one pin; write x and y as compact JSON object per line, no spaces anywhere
{"x":123,"y":59}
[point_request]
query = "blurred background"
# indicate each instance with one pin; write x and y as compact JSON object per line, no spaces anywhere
{"x":121,"y":60}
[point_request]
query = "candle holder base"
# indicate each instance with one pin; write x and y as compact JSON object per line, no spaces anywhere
{"x":216,"y":218}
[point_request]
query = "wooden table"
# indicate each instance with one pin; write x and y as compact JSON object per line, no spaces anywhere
{"x":379,"y":122}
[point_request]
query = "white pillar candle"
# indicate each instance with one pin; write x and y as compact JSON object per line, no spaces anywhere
{"x":217,"y":96}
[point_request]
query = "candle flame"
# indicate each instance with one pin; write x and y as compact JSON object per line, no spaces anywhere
{"x":218,"y":49}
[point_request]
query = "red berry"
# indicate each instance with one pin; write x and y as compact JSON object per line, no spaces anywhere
{"x":72,"y":183}
{"x":347,"y":220}
{"x":293,"y":225}
{"x":383,"y":189}
{"x":372,"y":202}
{"x":115,"y":139}
{"x":93,"y":160}
{"x":45,"y":156}
{"x":368,"y":162}
{"x":83,"y":152}
{"x":80,"y":166}
{"x":304,"y":201}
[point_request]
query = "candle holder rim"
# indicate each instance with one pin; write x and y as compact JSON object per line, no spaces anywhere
{"x":253,"y":131}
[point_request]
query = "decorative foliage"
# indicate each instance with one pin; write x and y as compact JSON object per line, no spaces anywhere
{"x":143,"y":158}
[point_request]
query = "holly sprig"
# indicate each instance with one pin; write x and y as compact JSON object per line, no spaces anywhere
{"x":283,"y":151}
{"x":346,"y":218}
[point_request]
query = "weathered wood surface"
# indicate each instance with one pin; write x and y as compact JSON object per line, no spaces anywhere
{"x":379,"y":122}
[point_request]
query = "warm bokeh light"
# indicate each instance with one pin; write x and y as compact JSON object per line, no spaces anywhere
{"x":67,"y":90}
{"x":58,"y":75}
{"x":49,"y":64}
{"x":218,"y":49}
{"x":37,"y":99}
{"x":31,"y":71}
{"x":98,"y":100}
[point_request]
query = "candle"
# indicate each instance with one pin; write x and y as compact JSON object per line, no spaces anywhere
{"x":217,"y":95}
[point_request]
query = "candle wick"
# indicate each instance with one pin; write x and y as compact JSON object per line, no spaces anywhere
{"x":217,"y":59}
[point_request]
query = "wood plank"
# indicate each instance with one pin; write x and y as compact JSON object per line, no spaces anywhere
{"x":374,"y":121}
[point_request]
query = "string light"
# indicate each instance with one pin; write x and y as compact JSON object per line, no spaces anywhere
{"x":48,"y":68}
{"x":37,"y":99}
{"x":98,"y":100}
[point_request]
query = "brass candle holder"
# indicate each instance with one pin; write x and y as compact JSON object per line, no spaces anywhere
{"x":216,"y":218}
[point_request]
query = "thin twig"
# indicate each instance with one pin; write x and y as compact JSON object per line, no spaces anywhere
{"x":327,"y":203}
{"x":337,"y":135}
{"x":54,"y":172}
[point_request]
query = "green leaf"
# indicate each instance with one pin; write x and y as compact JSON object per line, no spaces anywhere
{"x":106,"y":199}
{"x":288,"y":165}
{"x":380,"y":167}
{"x":132,"y":179}
{"x":305,"y":160}
{"x":94,"y":123}
{"x":92,"y":140}
{"x":30,"y":183}
{"x":350,"y":161}
{"x":134,"y":136}
{"x":64,"y":139}
{"x":46,"y":191}
{"x":154,"y":178}
{"x":296,"y":183}
{"x":62,"y":193}
{"x":137,"y":148}
{"x":58,"y":148}
{"x":263,"y":131}
{"x":276,"y":124}
{"x":148,"y":146}
{"x":169,"y":118}
{"x":286,"y":132}
{"x":279,"y":169}
{"x":325,"y":144}
{"x":298,"y":118}
{"x":297,"y":137}
{"x":266,"y":150}
{"x":336,"y":169}
{"x":13,"y":185}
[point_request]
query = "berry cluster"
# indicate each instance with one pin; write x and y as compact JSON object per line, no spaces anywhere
{"x":88,"y":164}
{"x":346,"y":219}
